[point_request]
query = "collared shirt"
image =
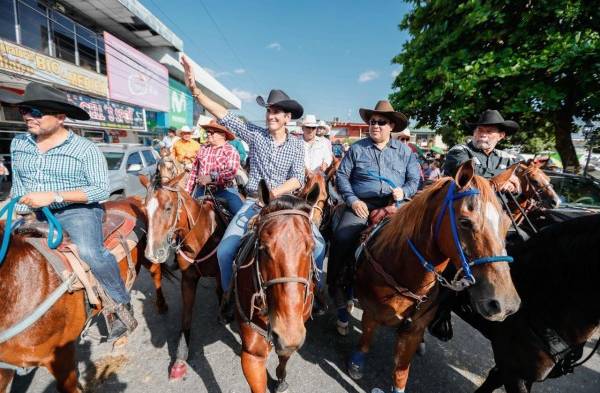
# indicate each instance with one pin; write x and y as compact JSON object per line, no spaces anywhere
{"x":274,"y":163}
{"x":395,"y":162}
{"x":317,"y":152}
{"x":169,"y":142}
{"x":185,"y":151}
{"x":75,"y":164}
{"x":486,"y":165}
{"x":223,"y":161}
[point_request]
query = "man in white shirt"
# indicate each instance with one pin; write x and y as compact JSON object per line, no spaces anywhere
{"x":317,"y":150}
{"x":171,"y":137}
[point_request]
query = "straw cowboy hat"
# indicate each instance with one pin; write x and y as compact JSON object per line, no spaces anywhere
{"x":493,"y":118}
{"x":213,"y":126}
{"x":310,"y":121}
{"x":281,"y":100}
{"x":384,"y":108}
{"x":47,"y":98}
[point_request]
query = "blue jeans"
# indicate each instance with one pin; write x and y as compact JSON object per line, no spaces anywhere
{"x":233,"y":235}
{"x":231,"y":195}
{"x":83,"y":223}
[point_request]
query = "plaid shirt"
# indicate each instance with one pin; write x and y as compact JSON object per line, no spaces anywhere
{"x":75,"y":164}
{"x":223,"y":160}
{"x":275,"y":164}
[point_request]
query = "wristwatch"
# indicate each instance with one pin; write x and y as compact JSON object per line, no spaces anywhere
{"x":58,"y":198}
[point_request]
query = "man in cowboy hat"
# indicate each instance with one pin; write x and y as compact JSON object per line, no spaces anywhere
{"x":317,"y":150}
{"x":53,"y":167}
{"x":171,"y":137}
{"x":185,"y":149}
{"x":275,"y":156}
{"x":490,"y":129}
{"x":217,"y":163}
{"x":403,"y":136}
{"x":380,"y":155}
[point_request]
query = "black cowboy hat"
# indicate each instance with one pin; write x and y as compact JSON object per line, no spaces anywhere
{"x":281,"y":100}
{"x":492,"y":117}
{"x":384,"y":108}
{"x":45,"y":97}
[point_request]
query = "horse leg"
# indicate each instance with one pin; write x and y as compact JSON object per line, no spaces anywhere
{"x":64,"y":368}
{"x":282,"y":385}
{"x":492,"y":382}
{"x":254,"y":360}
{"x":6,"y":376}
{"x":356,"y":364}
{"x":406,"y":346}
{"x":189,"y":282}
{"x":516,"y":385}
{"x":156,"y":274}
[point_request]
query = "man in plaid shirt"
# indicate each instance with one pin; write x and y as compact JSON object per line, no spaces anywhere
{"x":216,"y":163}
{"x":275,"y":156}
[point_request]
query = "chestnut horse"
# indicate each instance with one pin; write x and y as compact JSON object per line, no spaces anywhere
{"x":194,"y":229}
{"x":27,"y":280}
{"x":274,"y":285}
{"x":456,"y":221}
{"x":168,"y":167}
{"x":321,"y":209}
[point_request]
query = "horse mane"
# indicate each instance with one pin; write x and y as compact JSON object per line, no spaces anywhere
{"x":409,"y":221}
{"x":286,"y":202}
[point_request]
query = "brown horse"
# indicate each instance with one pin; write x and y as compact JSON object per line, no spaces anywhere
{"x":456,"y":221}
{"x":51,"y":340}
{"x":194,"y":229}
{"x":274,"y":285}
{"x":321,"y":209}
{"x":168,"y":167}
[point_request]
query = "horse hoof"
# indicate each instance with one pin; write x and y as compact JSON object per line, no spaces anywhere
{"x":282,"y":387}
{"x":178,"y":371}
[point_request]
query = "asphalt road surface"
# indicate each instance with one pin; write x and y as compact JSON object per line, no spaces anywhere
{"x":141,"y":366}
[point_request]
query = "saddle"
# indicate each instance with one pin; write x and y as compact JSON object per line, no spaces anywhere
{"x":121,"y":233}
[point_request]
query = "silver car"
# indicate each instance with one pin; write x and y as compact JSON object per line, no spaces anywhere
{"x":126,"y":161}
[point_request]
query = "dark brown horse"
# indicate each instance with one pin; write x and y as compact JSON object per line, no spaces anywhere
{"x":556,"y":273}
{"x":454,"y":221}
{"x":274,"y":285}
{"x":27,"y":280}
{"x":194,"y":229}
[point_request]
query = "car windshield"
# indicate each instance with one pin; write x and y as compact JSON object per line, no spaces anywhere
{"x":113,"y":159}
{"x":577,"y":190}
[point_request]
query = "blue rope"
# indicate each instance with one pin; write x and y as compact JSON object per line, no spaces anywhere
{"x":386,"y":181}
{"x":53,"y":224}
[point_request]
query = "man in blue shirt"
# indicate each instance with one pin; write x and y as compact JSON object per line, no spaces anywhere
{"x":362,"y":192}
{"x":55,"y":168}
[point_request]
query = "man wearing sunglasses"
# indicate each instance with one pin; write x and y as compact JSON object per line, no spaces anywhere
{"x":377,"y":155}
{"x":53,"y":167}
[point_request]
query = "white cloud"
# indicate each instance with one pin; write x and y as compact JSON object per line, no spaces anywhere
{"x":368,"y":76}
{"x":395,"y":73}
{"x":244,"y":95}
{"x":216,"y":74}
{"x":239,"y":71}
{"x":274,"y":45}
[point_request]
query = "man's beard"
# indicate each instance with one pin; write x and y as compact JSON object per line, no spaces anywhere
{"x":483,"y":145}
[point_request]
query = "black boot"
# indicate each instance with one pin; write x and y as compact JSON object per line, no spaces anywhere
{"x":441,"y":326}
{"x":121,"y":322}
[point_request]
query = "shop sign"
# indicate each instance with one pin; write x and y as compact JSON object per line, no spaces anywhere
{"x":108,"y":114}
{"x":22,"y":61}
{"x":181,"y":105}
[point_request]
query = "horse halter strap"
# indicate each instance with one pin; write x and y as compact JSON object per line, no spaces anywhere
{"x":468,"y":279}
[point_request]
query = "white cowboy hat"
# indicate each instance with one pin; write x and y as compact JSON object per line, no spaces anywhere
{"x":310,"y":121}
{"x":185,"y":129}
{"x":323,"y":124}
{"x":405,"y":132}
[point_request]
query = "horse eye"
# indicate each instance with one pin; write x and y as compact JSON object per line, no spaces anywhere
{"x":465,"y":223}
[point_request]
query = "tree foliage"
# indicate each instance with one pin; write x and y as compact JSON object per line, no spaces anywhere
{"x":538,"y":62}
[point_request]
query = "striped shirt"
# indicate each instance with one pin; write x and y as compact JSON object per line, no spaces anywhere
{"x":222,"y":160}
{"x":75,"y":164}
{"x":275,"y":164}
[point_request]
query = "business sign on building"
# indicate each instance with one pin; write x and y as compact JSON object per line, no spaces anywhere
{"x":135,"y":78}
{"x":22,"y":61}
{"x":181,"y":105}
{"x":108,"y":114}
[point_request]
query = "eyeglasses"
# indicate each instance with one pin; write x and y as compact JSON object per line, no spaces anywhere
{"x":404,"y":139}
{"x":34,"y":112}
{"x":380,"y":123}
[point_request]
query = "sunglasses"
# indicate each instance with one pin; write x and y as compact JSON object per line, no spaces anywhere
{"x":34,"y":112}
{"x":380,"y":123}
{"x":404,"y":139}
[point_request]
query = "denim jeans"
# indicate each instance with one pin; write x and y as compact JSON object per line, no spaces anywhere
{"x":233,"y":235}
{"x":231,"y":195}
{"x":83,"y":223}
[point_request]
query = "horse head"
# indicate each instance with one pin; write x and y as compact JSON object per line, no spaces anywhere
{"x":536,"y":184}
{"x":316,"y":178}
{"x":167,"y":167}
{"x":285,"y":264}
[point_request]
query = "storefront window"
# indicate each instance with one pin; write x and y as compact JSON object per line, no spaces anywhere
{"x":86,"y":45}
{"x":7,"y":20}
{"x":34,"y":25}
{"x":64,"y":37}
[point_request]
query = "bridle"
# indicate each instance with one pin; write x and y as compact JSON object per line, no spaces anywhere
{"x":258,"y":300}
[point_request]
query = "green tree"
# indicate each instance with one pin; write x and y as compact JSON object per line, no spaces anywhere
{"x":538,"y":62}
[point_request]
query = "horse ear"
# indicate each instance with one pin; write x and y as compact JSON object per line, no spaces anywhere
{"x":264,"y":194}
{"x":173,"y":182}
{"x":500,"y":179}
{"x":313,"y":194}
{"x":464,"y":174}
{"x":144,"y":180}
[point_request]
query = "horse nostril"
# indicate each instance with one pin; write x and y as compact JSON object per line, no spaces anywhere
{"x":493,"y":307}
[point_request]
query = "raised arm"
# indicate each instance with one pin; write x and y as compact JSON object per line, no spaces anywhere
{"x":216,"y":109}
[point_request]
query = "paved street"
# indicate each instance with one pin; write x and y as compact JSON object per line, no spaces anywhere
{"x":141,"y":366}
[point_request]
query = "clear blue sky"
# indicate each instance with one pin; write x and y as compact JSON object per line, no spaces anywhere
{"x":332,"y":56}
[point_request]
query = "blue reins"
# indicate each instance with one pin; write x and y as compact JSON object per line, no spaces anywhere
{"x":53,"y":240}
{"x":386,"y":181}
